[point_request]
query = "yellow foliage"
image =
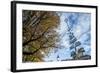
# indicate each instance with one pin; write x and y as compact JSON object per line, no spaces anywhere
{"x":41,"y":35}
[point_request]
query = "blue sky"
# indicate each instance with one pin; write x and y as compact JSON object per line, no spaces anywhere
{"x":80,"y":24}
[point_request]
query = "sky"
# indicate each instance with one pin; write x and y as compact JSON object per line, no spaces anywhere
{"x":80,"y":24}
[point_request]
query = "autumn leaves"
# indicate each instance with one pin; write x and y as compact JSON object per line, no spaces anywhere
{"x":39,"y":36}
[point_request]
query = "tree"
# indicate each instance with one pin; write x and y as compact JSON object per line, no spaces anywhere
{"x":74,"y":43}
{"x":39,"y":35}
{"x":73,"y":54}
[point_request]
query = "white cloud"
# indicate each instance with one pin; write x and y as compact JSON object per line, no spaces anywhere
{"x":83,"y":25}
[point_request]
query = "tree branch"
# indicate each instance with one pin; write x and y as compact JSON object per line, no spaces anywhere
{"x":36,"y":38}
